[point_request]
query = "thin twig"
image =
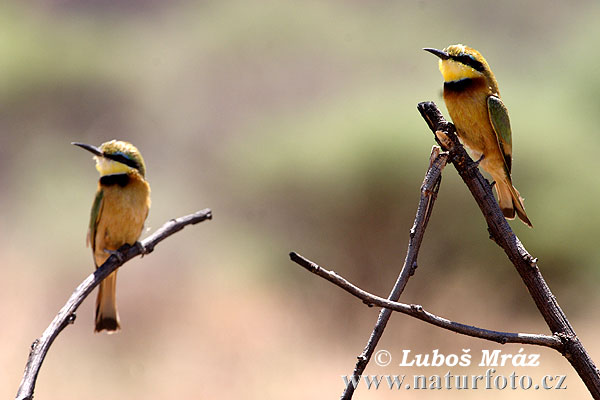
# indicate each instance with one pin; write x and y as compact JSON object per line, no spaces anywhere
{"x":429,"y":190}
{"x":502,"y":234}
{"x":66,"y":315}
{"x":418,"y":312}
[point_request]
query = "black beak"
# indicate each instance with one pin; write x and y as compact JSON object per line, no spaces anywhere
{"x":440,"y":53}
{"x":92,"y":149}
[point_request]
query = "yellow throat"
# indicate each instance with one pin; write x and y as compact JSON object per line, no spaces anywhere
{"x":454,"y":71}
{"x":110,"y":167}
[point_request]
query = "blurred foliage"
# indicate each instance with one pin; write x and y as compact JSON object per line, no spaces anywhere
{"x":296,"y":123}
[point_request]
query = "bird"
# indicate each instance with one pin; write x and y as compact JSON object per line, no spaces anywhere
{"x":118,"y":214}
{"x":481,"y":119}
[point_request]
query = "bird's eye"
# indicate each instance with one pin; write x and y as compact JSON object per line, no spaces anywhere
{"x":124,"y":159}
{"x":470,"y":60}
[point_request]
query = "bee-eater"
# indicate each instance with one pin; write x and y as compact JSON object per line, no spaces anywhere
{"x":118,"y":214}
{"x":473,"y":100}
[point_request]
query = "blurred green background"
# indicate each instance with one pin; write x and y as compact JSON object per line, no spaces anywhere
{"x":296,"y":123}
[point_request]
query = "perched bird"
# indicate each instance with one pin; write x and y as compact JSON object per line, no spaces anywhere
{"x":118,"y":214}
{"x":481,"y":119}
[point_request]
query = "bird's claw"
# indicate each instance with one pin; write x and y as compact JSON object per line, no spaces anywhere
{"x":119,"y":253}
{"x":476,"y":163}
{"x":143,"y":250}
{"x":116,"y":253}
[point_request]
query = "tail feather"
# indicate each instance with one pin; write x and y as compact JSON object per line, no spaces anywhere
{"x":510,"y":201}
{"x":107,"y":317}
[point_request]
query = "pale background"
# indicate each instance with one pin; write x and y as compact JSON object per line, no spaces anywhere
{"x":296,"y":123}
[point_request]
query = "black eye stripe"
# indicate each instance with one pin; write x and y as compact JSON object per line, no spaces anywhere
{"x":468,"y":60}
{"x":123,"y":160}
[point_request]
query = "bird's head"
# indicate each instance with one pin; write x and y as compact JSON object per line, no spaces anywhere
{"x":461,"y":62}
{"x":116,"y":157}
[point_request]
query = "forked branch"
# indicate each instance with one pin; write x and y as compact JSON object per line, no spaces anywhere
{"x":66,"y":315}
{"x":502,"y":234}
{"x":563,"y":337}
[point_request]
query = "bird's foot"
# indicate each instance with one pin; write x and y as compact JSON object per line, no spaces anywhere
{"x":476,"y":163}
{"x":143,"y":250}
{"x":116,"y":253}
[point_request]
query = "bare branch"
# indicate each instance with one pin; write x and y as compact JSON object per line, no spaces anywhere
{"x":418,"y":312}
{"x":429,"y":190}
{"x":66,"y":315}
{"x":503,"y":235}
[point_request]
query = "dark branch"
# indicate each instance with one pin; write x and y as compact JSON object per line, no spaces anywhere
{"x":429,"y":190}
{"x":66,"y":315}
{"x":418,"y":312}
{"x":503,"y":235}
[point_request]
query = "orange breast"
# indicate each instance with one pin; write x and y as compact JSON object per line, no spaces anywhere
{"x":468,"y":109}
{"x":467,"y":105}
{"x":124,"y":211}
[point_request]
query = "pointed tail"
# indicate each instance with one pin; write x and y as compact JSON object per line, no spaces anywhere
{"x":107,"y":317}
{"x":510,"y":201}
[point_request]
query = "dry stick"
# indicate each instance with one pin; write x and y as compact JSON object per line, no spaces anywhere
{"x":429,"y":190}
{"x":66,"y":315}
{"x":503,"y":235}
{"x":418,"y":312}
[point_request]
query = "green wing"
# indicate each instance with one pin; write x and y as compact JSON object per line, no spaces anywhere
{"x":501,"y":123}
{"x":95,"y":217}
